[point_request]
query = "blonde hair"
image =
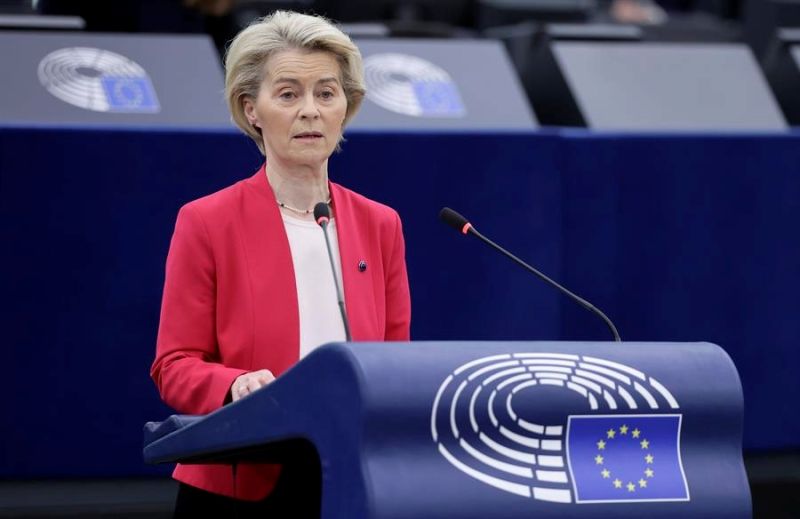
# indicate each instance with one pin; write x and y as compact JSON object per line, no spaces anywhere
{"x":248,"y":53}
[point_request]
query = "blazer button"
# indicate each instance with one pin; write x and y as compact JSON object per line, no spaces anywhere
{"x":362,"y":266}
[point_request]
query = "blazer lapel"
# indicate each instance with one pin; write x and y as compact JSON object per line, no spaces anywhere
{"x":272,"y":277}
{"x":353,"y":234}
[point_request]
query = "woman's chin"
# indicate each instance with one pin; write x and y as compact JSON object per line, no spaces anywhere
{"x":309,"y":157}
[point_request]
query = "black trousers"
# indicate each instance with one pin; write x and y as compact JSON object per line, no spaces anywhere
{"x":296,"y":496}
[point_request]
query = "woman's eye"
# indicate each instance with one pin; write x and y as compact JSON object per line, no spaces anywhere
{"x":326,"y":94}
{"x":287,"y":95}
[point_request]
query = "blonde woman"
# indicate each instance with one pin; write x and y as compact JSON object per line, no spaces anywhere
{"x":248,"y":287}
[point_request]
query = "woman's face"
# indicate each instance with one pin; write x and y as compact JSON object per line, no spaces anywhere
{"x":300,"y":107}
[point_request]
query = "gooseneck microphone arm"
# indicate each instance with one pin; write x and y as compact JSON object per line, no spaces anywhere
{"x":461,"y":224}
{"x":322,"y":216}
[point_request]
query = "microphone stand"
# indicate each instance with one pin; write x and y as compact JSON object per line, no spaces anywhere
{"x":322,"y":216}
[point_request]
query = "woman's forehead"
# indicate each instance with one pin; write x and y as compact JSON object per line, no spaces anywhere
{"x":296,"y":64}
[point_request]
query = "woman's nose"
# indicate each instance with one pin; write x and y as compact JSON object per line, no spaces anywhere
{"x":309,"y":109}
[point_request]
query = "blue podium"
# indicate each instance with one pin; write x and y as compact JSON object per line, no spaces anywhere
{"x":494,"y":429}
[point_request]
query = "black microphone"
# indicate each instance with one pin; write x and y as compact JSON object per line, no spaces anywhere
{"x":322,"y":214}
{"x":461,"y":224}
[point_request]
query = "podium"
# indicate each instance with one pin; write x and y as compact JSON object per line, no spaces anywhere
{"x":494,"y":429}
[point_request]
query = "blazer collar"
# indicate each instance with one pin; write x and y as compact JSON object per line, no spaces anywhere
{"x":260,"y":184}
{"x":354,"y":247}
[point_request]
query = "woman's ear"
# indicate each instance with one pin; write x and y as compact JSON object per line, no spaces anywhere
{"x":250,"y":113}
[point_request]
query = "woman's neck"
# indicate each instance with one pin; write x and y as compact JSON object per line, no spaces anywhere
{"x":298,"y":188}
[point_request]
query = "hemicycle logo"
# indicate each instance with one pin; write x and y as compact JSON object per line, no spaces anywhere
{"x":411,"y":86}
{"x":98,"y":80}
{"x":624,"y":449}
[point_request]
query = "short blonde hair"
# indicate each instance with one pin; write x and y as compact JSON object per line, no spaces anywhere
{"x":247,"y":56}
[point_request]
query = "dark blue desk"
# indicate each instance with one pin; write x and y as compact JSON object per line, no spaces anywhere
{"x":678,"y":238}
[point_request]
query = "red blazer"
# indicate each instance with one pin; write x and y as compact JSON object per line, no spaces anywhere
{"x":230,"y":303}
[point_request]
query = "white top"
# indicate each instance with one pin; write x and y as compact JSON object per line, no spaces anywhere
{"x":320,"y":319}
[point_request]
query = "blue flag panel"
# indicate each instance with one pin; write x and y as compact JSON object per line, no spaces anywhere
{"x":621,"y":458}
{"x":439,"y":98}
{"x":130,"y":94}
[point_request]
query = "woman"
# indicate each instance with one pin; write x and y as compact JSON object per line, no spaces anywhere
{"x":248,"y":287}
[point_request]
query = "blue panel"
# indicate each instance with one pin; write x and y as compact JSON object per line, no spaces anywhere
{"x":86,"y":217}
{"x":509,"y":186}
{"x":678,"y":238}
{"x":689,"y":238}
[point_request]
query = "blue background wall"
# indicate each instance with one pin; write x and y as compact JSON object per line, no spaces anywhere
{"x":688,"y":237}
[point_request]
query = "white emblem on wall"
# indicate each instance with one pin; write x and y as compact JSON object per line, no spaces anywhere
{"x":411,"y":86}
{"x":608,"y":454}
{"x":98,"y":80}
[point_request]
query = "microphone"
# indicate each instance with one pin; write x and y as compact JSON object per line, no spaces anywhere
{"x":462,"y":225}
{"x":322,"y":214}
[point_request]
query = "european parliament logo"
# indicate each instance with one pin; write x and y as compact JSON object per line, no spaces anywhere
{"x":619,"y":458}
{"x":410,"y":85}
{"x":98,"y":80}
{"x":623,"y":449}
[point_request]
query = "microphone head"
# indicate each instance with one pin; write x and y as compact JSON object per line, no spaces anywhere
{"x":322,"y":213}
{"x":455,"y":220}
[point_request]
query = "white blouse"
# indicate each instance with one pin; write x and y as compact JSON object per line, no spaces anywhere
{"x":320,"y":319}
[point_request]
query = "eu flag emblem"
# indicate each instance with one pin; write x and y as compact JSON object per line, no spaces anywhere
{"x":130,"y":94}
{"x":438,"y":98}
{"x":626,"y":458}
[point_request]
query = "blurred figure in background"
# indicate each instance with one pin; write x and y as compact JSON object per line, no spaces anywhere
{"x":642,"y":12}
{"x":213,"y":17}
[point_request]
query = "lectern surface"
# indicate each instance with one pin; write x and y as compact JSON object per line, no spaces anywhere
{"x":540,"y":429}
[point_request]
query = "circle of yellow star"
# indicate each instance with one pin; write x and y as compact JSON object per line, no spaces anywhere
{"x":603,"y":445}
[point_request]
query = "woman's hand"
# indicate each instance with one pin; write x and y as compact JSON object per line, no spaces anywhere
{"x":249,"y":382}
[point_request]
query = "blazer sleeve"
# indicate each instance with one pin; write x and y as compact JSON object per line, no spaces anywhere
{"x":398,"y":298}
{"x":187,"y":368}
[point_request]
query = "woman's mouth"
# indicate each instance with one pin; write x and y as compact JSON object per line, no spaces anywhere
{"x":308,"y":136}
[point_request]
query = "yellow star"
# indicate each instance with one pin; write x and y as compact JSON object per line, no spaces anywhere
{"x":623,"y":429}
{"x":631,"y":486}
{"x":601,"y":445}
{"x":617,"y":483}
{"x":645,"y":444}
{"x":635,"y":433}
{"x":649,"y":458}
{"x":611,"y":433}
{"x":606,"y":473}
{"x":642,"y":483}
{"x":648,"y":472}
{"x":598,"y":459}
